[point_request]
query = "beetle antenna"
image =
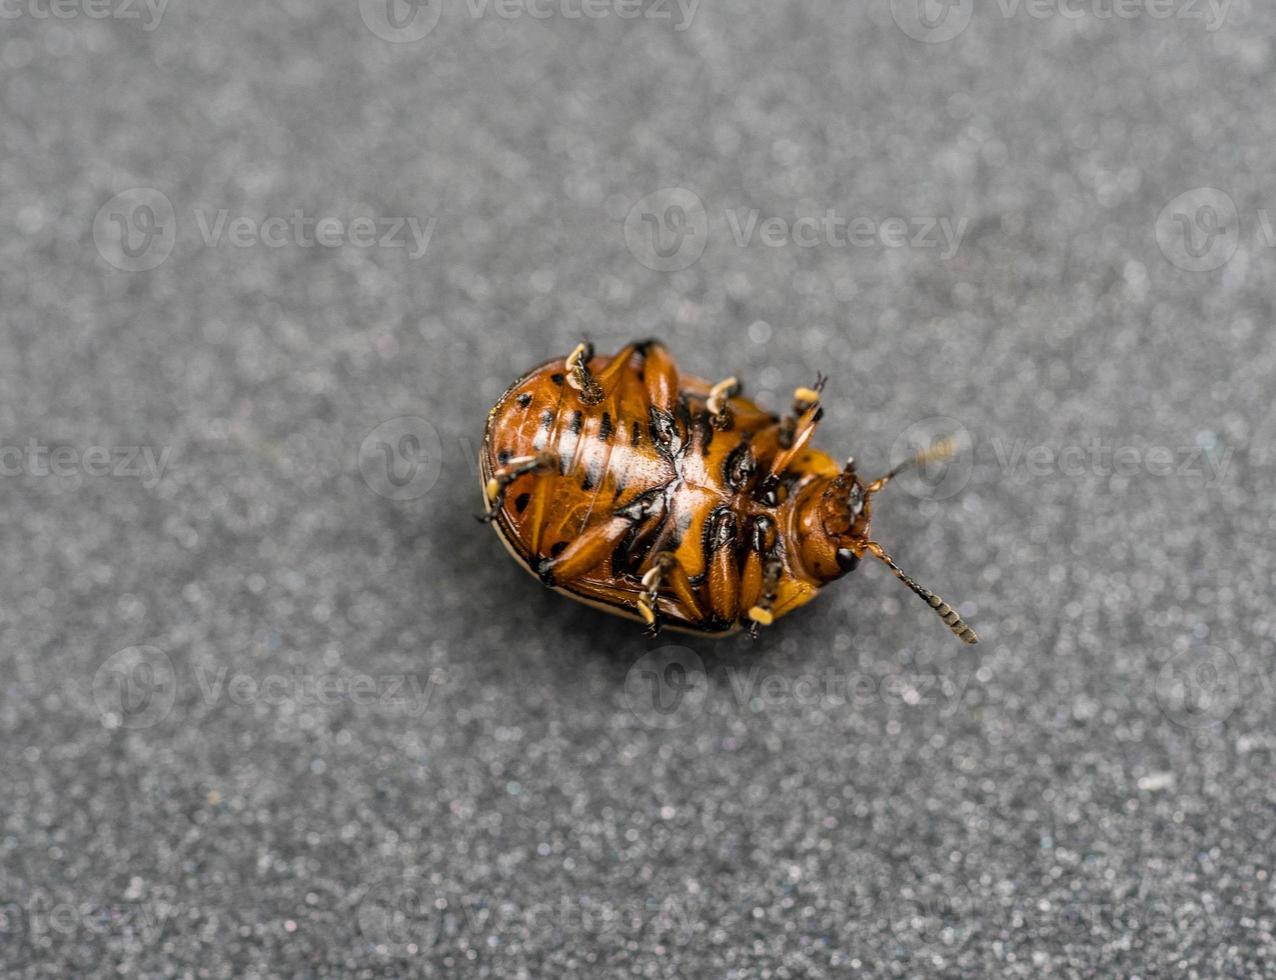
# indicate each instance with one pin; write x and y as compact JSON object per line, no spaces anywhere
{"x":945,"y":611}
{"x":940,"y":450}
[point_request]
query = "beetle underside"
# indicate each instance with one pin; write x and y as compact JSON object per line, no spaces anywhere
{"x":665,"y":499}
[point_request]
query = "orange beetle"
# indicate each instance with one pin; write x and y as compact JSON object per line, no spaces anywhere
{"x":660,"y":497}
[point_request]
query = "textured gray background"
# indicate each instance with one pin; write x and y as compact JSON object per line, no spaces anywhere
{"x":1087,"y":792}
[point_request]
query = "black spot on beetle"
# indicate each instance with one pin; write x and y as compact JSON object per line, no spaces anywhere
{"x":576,"y":422}
{"x":557,"y":548}
{"x":520,"y":504}
{"x":547,"y":418}
{"x":556,"y":378}
{"x":503,"y":456}
{"x":524,"y":399}
{"x":605,"y":427}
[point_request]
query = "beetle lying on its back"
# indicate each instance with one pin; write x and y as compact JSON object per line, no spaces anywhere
{"x":663,"y":498}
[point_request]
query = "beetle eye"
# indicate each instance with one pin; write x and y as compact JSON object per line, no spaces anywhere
{"x":846,"y":559}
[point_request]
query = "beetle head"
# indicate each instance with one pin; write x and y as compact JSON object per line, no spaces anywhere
{"x":833,"y":518}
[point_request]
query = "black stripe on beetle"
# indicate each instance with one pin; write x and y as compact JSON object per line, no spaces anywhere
{"x":738,"y":468}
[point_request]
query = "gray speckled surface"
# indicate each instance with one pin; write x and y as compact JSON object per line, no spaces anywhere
{"x":268,"y":711}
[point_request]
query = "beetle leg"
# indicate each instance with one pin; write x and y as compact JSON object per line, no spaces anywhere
{"x":579,"y":376}
{"x":716,"y":404}
{"x":724,"y":568}
{"x":585,"y":551}
{"x":594,"y":544}
{"x":501,"y":478}
{"x":760,"y":613}
{"x":761,"y":576}
{"x":666,"y":570}
{"x":796,"y":430}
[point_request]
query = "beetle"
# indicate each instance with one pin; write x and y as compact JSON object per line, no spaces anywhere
{"x":654,"y":495}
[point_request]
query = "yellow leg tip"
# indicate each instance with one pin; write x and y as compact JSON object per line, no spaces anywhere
{"x":493,"y":488}
{"x":646,"y":611}
{"x":808,"y":395}
{"x":762,"y":616}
